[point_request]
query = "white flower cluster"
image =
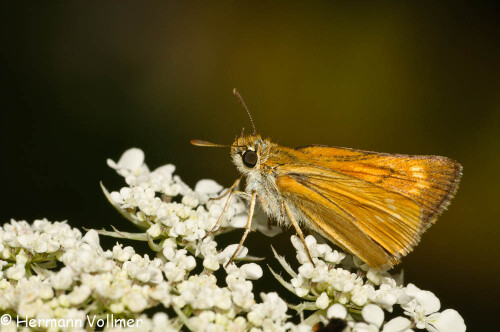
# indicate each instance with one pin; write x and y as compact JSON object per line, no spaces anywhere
{"x":147,"y":201}
{"x":48,"y":270}
{"x":181,"y":229}
{"x":91,"y":280}
{"x":360,"y":298}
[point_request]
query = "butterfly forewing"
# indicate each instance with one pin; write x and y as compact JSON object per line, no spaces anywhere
{"x":432,"y":181}
{"x":374,"y":205}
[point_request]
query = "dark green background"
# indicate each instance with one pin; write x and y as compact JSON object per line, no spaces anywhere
{"x":85,"y":81}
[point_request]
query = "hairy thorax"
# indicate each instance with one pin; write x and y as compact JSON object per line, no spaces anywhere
{"x":262,"y":178}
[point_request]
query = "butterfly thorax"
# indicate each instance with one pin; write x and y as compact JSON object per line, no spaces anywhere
{"x":260,"y":176}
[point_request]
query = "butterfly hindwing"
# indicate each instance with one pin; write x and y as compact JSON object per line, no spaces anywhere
{"x":361,"y":217}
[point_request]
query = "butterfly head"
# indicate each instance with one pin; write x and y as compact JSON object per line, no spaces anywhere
{"x":247,"y":153}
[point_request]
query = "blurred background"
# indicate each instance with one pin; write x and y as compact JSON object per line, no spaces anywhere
{"x":85,"y":81}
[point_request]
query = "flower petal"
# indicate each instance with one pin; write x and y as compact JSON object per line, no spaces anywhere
{"x":373,"y":314}
{"x":446,"y":321}
{"x":131,"y":159}
{"x":207,"y":186}
{"x":429,"y":301}
{"x":252,"y":271}
{"x":397,"y":324}
{"x":323,"y":301}
{"x":336,"y":311}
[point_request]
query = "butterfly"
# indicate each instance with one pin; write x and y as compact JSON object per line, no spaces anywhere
{"x":374,"y":205}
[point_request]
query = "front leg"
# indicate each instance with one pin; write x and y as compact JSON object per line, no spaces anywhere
{"x":219,"y":221}
{"x":231,"y":192}
{"x":253,"y":198}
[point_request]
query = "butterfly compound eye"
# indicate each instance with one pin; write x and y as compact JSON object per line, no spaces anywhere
{"x":250,"y":158}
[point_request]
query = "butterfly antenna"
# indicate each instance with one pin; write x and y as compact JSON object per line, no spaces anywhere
{"x":237,"y":94}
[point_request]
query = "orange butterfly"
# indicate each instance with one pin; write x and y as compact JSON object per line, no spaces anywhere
{"x":374,"y":205}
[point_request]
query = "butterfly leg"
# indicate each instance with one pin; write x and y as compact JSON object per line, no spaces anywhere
{"x":297,"y":229}
{"x":226,"y":206}
{"x":247,"y":227}
{"x":219,"y":221}
{"x":230,"y":190}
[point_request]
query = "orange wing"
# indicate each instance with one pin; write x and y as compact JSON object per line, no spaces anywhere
{"x":430,"y":180}
{"x":374,"y":205}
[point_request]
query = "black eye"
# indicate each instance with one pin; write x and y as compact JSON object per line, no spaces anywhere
{"x":250,"y":158}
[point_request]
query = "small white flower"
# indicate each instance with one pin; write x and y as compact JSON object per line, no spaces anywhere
{"x":342,"y":280}
{"x":63,"y":300}
{"x":92,"y":238}
{"x":241,"y":291}
{"x":46,"y":292}
{"x":423,"y":303}
{"x":26,"y":241}
{"x":122,"y":254}
{"x":302,"y":285}
{"x":375,"y":276}
{"x":142,"y":269}
{"x":16,"y":272}
{"x":361,"y":294}
{"x":190,"y":200}
{"x":271,"y":312}
{"x":333,"y":256}
{"x":161,"y":293}
{"x":169,"y":249}
{"x":386,"y":296}
{"x":79,"y":295}
{"x":176,"y":269}
{"x":252,"y":271}
{"x":63,"y":279}
{"x":202,"y":321}
{"x":226,"y":254}
{"x":322,"y":301}
{"x":30,"y":309}
{"x":239,"y":221}
{"x":154,"y":231}
{"x":117,"y":307}
{"x":135,"y":299}
{"x":211,"y":262}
